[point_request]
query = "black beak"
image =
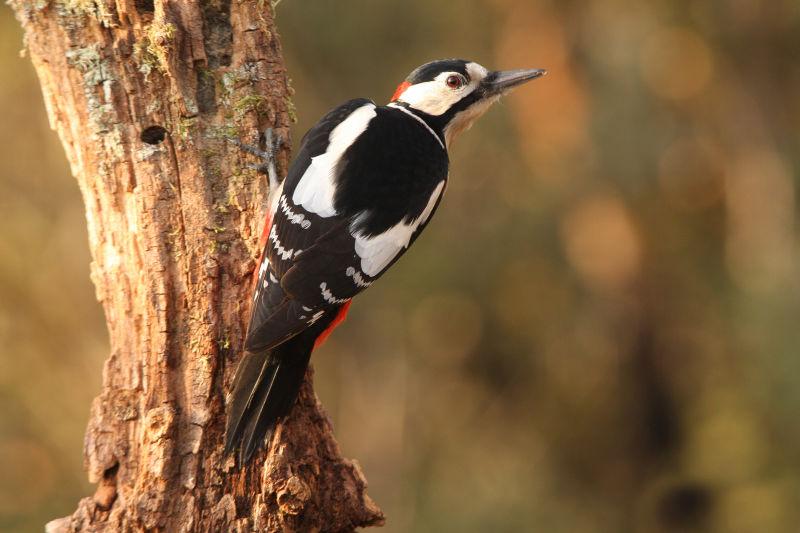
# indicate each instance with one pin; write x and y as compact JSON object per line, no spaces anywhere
{"x":502,"y":81}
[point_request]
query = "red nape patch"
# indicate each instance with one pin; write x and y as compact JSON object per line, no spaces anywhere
{"x":400,"y":89}
{"x":340,"y":316}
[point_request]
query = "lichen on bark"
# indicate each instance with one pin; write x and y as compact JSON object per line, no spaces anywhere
{"x":142,"y":94}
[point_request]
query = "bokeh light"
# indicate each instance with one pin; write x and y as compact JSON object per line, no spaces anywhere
{"x":597,"y":332}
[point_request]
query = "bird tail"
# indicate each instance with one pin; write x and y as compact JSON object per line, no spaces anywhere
{"x":267,"y":383}
{"x":264,"y":390}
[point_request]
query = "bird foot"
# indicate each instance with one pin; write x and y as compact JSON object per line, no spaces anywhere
{"x":272,"y":143}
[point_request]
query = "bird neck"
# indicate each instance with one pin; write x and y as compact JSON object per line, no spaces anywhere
{"x":429,"y":121}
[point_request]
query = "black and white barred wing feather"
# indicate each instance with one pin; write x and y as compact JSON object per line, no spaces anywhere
{"x":276,"y":315}
{"x":336,"y":226}
{"x":361,"y":190}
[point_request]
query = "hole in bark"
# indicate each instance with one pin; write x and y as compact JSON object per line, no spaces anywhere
{"x":106,"y":492}
{"x":144,"y":6}
{"x":153,"y":134}
{"x":110,"y":474}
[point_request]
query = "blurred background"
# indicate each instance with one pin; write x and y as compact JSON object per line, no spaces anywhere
{"x":597,"y":333}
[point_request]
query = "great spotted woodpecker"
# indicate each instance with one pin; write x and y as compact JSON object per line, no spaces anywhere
{"x":364,"y":184}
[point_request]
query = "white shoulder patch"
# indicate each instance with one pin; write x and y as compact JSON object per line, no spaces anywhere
{"x":316,"y":188}
{"x":378,"y":251}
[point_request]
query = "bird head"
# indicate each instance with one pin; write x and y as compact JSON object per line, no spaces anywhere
{"x":450,"y":94}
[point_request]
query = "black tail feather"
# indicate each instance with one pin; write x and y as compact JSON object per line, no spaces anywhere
{"x":274,"y":400}
{"x":265,"y":388}
{"x":261,"y":418}
{"x":248,"y":376}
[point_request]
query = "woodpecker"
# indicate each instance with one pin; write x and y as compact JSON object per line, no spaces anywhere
{"x":363,"y":186}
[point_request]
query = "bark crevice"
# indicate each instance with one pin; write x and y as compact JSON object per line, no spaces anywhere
{"x":143,"y":95}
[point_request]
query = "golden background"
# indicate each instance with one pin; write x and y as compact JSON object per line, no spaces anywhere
{"x":597,"y":333}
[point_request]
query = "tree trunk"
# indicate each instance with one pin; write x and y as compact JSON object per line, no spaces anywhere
{"x":143,"y":94}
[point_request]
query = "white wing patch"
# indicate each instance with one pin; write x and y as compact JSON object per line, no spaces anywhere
{"x":316,"y":188}
{"x":377,"y":252}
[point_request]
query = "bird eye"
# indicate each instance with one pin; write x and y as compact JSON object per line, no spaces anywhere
{"x":455,"y":82}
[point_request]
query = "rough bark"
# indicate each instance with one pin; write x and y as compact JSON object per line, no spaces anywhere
{"x":143,"y":94}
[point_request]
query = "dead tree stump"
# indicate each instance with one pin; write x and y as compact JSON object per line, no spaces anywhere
{"x":143,"y":94}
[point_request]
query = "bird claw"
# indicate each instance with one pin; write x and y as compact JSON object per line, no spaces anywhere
{"x":261,"y":168}
{"x":272,"y":143}
{"x":249,"y":148}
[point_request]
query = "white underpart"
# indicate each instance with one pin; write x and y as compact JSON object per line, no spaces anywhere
{"x":415,"y":117}
{"x":435,"y":97}
{"x":377,"y":252}
{"x":465,"y":119}
{"x":316,"y":188}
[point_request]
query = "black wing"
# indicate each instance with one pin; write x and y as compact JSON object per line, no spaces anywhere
{"x":384,"y":183}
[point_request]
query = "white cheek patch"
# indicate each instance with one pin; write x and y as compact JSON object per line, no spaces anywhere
{"x":316,"y":188}
{"x":435,"y":97}
{"x":431,"y":97}
{"x":378,"y":251}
